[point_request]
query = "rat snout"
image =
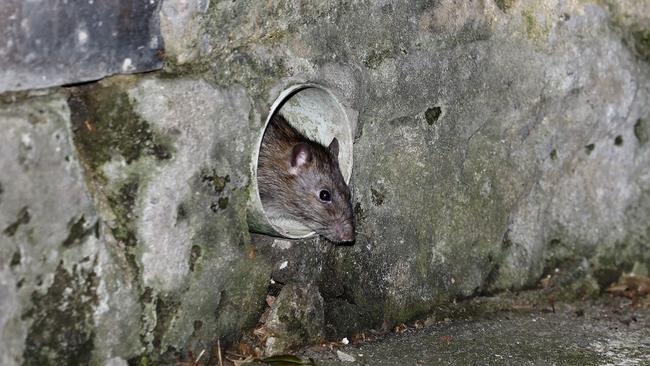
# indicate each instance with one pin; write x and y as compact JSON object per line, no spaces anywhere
{"x":344,"y":231}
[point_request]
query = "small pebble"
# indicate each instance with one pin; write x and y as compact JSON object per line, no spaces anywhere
{"x":345,"y":357}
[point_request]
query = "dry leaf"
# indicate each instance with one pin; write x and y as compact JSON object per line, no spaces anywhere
{"x":400,"y":328}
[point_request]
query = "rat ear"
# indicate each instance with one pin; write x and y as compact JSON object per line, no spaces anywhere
{"x":300,"y":158}
{"x":334,"y":148}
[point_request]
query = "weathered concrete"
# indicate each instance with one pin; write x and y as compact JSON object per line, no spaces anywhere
{"x":496,"y":142}
{"x":578,"y":334}
{"x":180,"y":27}
{"x":172,"y":191}
{"x":58,"y":280}
{"x":295,"y":318}
{"x":159,"y":262}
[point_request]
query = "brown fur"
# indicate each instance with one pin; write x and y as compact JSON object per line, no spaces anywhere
{"x":295,"y":195}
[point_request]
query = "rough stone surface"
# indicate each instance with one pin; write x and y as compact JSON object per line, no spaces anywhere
{"x":497,"y":141}
{"x":167,"y":168}
{"x":180,"y":22}
{"x":57,"y":282}
{"x":576,"y":335}
{"x":49,"y":43}
{"x":293,"y":261}
{"x":295,"y":319}
{"x":158,"y":263}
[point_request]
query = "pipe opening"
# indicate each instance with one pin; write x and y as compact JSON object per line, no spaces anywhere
{"x":316,"y":113}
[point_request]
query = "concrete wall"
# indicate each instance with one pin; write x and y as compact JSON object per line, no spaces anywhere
{"x":496,"y":142}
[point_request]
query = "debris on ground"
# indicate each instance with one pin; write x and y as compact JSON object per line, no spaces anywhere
{"x":633,"y":287}
{"x":344,"y":356}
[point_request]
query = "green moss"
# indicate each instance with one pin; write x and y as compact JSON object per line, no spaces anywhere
{"x":15,"y":259}
{"x":618,"y":140}
{"x":534,"y":30}
{"x":223,"y":203}
{"x":275,"y":36}
{"x":377,"y":197}
{"x":122,"y":202}
{"x":181,"y":212}
{"x":22,"y":218}
{"x":61,"y":332}
{"x":505,"y":5}
{"x":166,"y":307}
{"x":642,"y":131}
{"x":219,"y":183}
{"x":78,"y":231}
{"x":432,"y":114}
{"x":121,"y":197}
{"x":210,"y":177}
{"x":635,"y":31}
{"x":106,"y":124}
{"x":141,"y":360}
{"x":195,"y":254}
{"x":529,"y":22}
{"x":377,"y":57}
{"x":359,"y":213}
{"x":641,"y":39}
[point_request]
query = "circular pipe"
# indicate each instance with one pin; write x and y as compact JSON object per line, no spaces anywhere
{"x":315,"y":112}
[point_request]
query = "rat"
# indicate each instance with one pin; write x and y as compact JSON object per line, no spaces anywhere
{"x":300,"y":179}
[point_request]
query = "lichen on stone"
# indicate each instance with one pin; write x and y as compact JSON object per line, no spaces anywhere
{"x":79,"y":230}
{"x":432,"y":114}
{"x":505,"y":5}
{"x":22,"y":218}
{"x":106,"y":126}
{"x":642,"y":131}
{"x":62,"y":329}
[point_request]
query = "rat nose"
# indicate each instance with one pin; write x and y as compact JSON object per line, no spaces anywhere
{"x":344,"y":231}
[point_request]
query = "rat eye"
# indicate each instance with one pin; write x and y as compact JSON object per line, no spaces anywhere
{"x":325,"y":195}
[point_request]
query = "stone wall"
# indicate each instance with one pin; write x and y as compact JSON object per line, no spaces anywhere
{"x":497,"y":142}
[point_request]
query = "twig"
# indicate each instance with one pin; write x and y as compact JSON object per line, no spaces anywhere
{"x":231,"y":353}
{"x":199,"y":358}
{"x":219,"y":352}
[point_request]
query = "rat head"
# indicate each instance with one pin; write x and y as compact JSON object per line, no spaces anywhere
{"x":322,"y":199}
